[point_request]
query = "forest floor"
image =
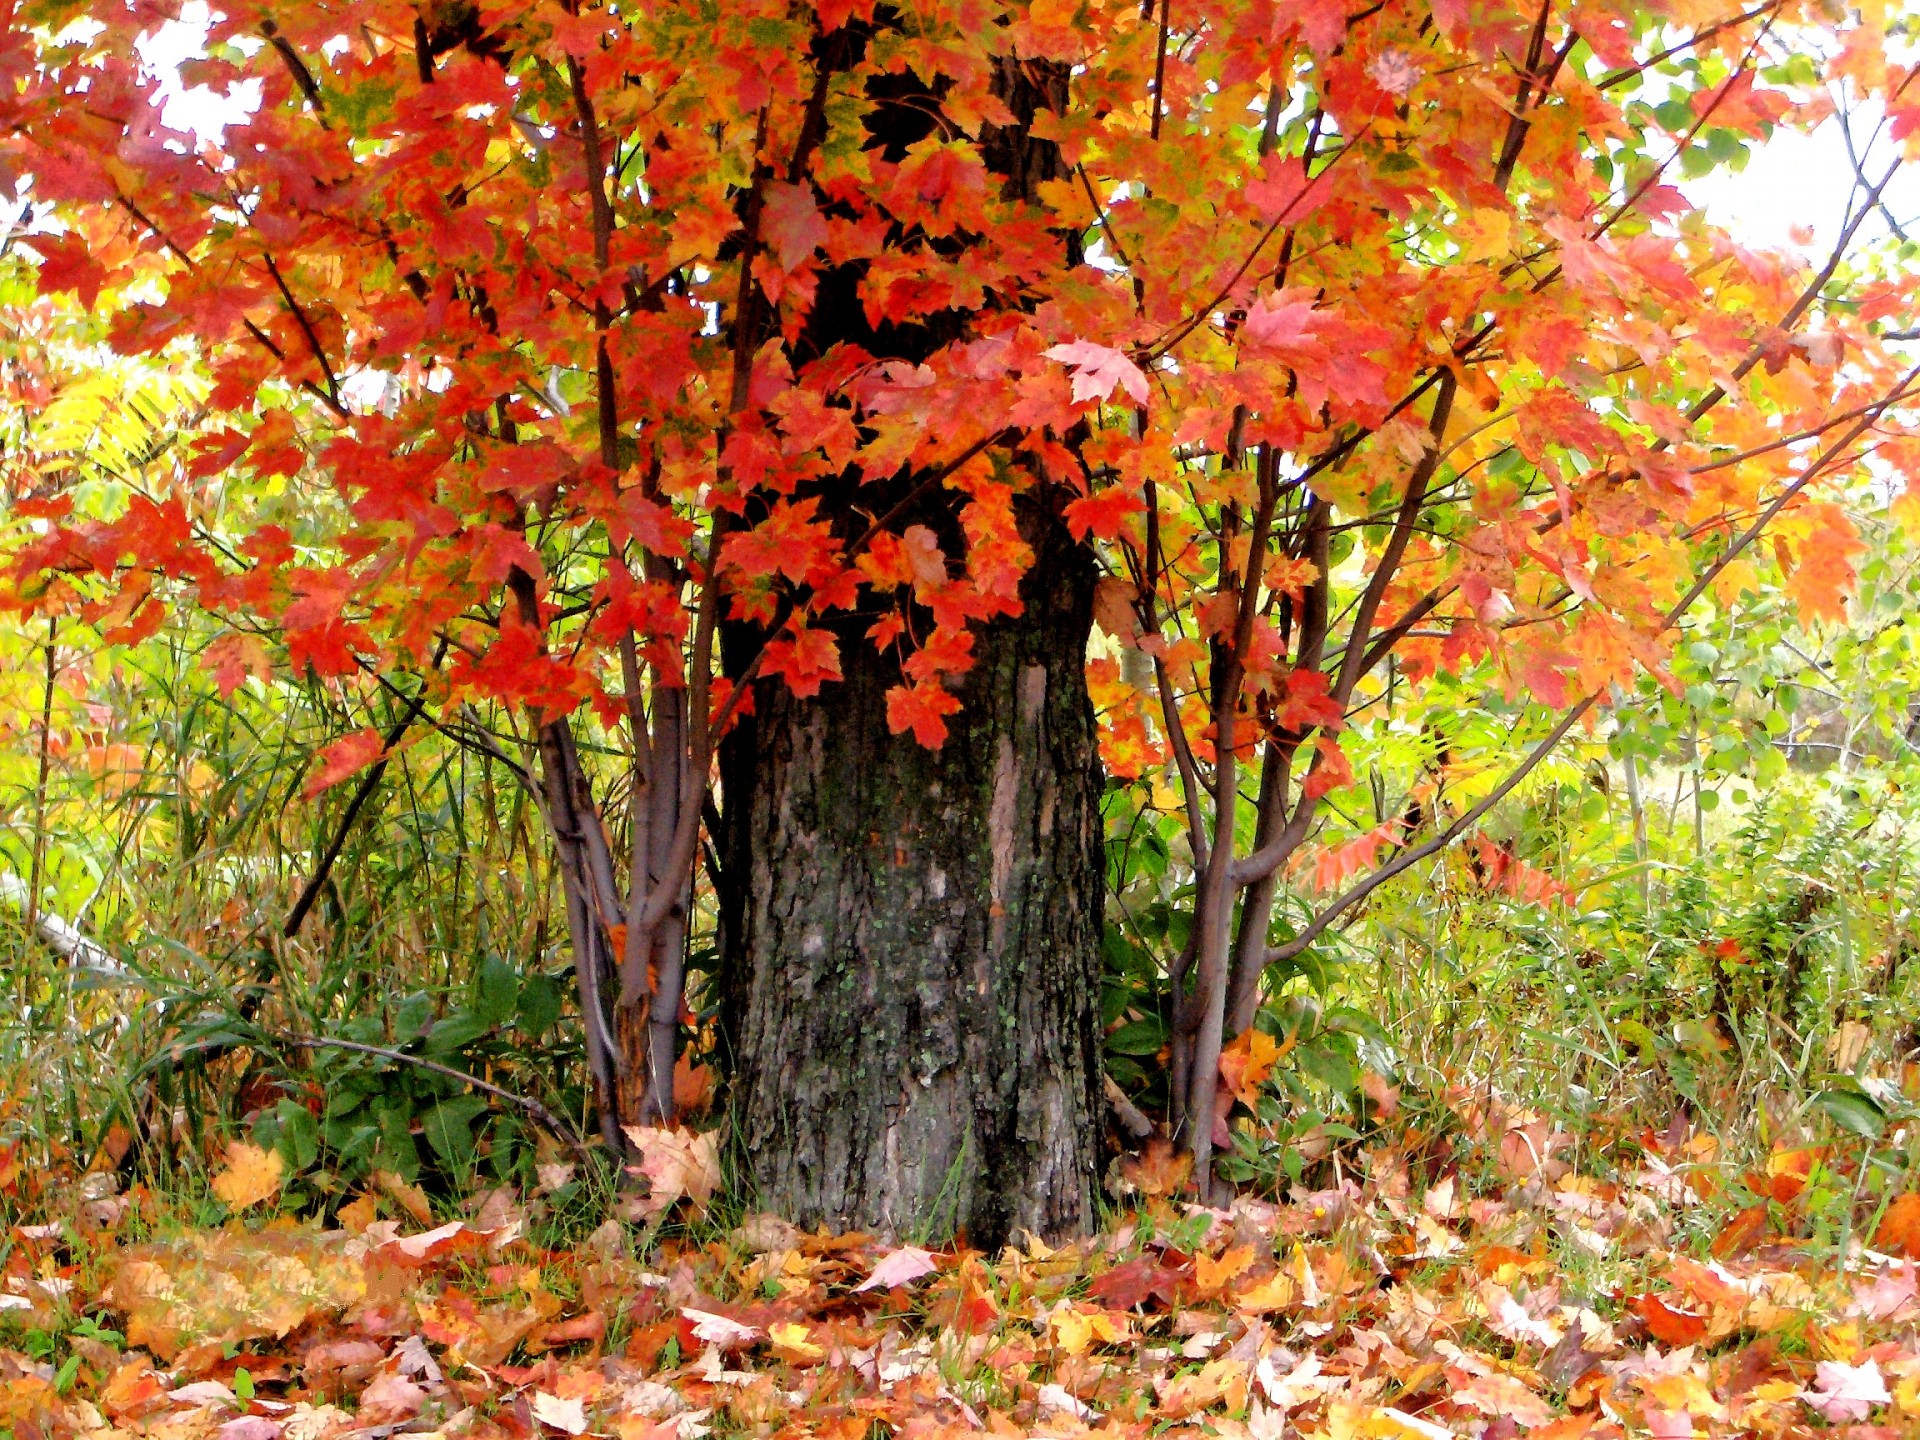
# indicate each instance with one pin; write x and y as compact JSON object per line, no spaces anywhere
{"x":1653,"y":1291}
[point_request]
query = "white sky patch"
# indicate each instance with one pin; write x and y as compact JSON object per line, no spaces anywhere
{"x":1794,"y":185}
{"x":1802,"y":182}
{"x":197,"y":109}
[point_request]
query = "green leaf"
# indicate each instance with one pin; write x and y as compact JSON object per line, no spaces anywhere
{"x":1327,"y":1064}
{"x":540,"y":998}
{"x":449,"y":1129}
{"x":412,"y":1015}
{"x":1140,"y":1037}
{"x":396,"y":1150}
{"x":1853,"y":1111}
{"x":496,"y":991}
{"x":456,"y":1032}
{"x":299,"y":1139}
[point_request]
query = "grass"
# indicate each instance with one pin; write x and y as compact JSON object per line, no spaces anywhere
{"x":1603,"y":1017}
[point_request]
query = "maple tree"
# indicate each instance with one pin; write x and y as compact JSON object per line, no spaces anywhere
{"x":815,"y":376}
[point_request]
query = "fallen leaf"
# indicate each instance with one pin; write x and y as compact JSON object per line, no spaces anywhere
{"x":1159,"y":1169}
{"x":1496,"y":1395}
{"x":719,"y":1331}
{"x":677,"y":1164}
{"x":390,"y":1398}
{"x":897,"y":1267}
{"x":1279,"y":1291}
{"x":417,"y":1250}
{"x":793,"y":1342}
{"x":1057,"y":1399}
{"x":135,"y":1389}
{"x":227,"y":1286}
{"x":1670,"y":1324}
{"x":1389,"y":1424}
{"x":1075,"y":1328}
{"x":1899,"y":1231}
{"x":568,"y":1416}
{"x":1846,"y":1392}
{"x":1383,"y":1093}
{"x":1740,"y":1234}
{"x":356,"y":1215}
{"x":555,"y":1176}
{"x":250,"y":1175}
{"x":410,"y":1198}
{"x":1210,"y":1276}
{"x":1154,"y":1276}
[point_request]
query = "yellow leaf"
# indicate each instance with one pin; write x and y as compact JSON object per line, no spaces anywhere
{"x":1388,"y":1423}
{"x":1737,"y":576}
{"x":1837,"y":1342}
{"x":794,"y":1341}
{"x":1277,"y":1292}
{"x":1074,"y":1330}
{"x":1485,"y":235}
{"x":1685,"y":1391}
{"x":249,"y":1176}
{"x":1906,"y":1395}
{"x":1247,"y":1061}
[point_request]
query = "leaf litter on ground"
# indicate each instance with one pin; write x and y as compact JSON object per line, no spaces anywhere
{"x":1523,"y":1299}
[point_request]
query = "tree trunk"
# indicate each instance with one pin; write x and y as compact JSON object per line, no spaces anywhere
{"x":912,"y":937}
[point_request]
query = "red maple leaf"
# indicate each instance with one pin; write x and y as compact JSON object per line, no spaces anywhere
{"x":346,"y":756}
{"x":921,"y":708}
{"x":790,"y":219}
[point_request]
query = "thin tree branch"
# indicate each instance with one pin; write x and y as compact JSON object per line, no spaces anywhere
{"x":535,"y":1110}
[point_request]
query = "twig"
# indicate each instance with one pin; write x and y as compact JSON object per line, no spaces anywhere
{"x":1132,"y":1119}
{"x":310,"y":893}
{"x":564,"y":1132}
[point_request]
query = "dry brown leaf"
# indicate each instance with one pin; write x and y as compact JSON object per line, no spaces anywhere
{"x":677,"y":1163}
{"x":567,"y":1415}
{"x":390,"y":1398}
{"x":357,"y":1214}
{"x":410,"y":1198}
{"x":1497,"y":1395}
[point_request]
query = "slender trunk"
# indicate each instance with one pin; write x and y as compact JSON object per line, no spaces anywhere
{"x":1699,"y":814}
{"x":1637,"y":809}
{"x":646,"y":1012}
{"x":1256,"y":907}
{"x":912,"y":937}
{"x":36,"y":873}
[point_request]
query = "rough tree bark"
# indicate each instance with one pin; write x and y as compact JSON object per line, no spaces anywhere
{"x":913,"y":938}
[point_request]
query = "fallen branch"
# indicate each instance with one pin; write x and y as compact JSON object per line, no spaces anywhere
{"x":57,"y":934}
